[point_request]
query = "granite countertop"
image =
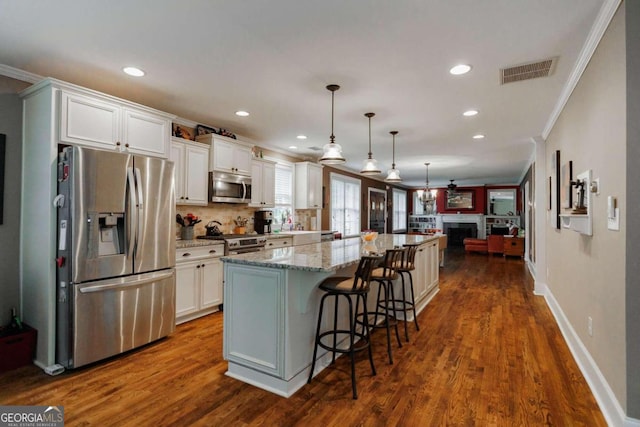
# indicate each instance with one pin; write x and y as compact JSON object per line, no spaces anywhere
{"x":181,"y":244}
{"x":325,"y":256}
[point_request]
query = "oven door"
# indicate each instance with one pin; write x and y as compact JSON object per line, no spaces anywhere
{"x":228,"y":188}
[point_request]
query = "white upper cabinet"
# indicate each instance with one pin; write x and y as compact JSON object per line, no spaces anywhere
{"x":87,"y":121}
{"x":228,"y":155}
{"x":144,"y":133}
{"x":95,"y":120}
{"x":263,"y":183}
{"x":308,"y":185}
{"x":191,"y":160}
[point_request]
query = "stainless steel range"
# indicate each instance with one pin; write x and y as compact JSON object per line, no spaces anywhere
{"x":239,"y":243}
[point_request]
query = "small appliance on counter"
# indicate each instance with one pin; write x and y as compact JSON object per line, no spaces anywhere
{"x":262,"y":221}
{"x":213,"y":229}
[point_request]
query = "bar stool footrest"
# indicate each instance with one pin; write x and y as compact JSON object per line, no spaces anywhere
{"x":362,"y":342}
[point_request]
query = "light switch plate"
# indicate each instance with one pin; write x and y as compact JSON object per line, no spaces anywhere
{"x":614,"y":223}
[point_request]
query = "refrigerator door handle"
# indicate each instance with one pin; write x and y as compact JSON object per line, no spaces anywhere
{"x":133,"y":213}
{"x":139,"y":188}
{"x":129,"y":283}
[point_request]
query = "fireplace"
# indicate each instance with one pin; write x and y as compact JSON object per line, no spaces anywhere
{"x":458,"y":231}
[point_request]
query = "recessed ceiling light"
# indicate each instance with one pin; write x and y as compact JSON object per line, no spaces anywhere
{"x":301,"y":136}
{"x":470,"y":113}
{"x":133,"y":71}
{"x":242,"y":113}
{"x":460,"y":69}
{"x":293,"y":147}
{"x":478,"y":136}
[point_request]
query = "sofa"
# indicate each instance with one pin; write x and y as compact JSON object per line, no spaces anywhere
{"x":475,"y":245}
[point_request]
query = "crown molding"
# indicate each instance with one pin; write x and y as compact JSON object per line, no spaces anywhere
{"x":605,"y":15}
{"x":18,"y":74}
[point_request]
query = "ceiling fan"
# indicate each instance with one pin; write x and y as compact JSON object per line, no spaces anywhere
{"x":452,"y":186}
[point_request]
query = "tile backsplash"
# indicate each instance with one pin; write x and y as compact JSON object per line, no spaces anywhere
{"x":227,"y":212}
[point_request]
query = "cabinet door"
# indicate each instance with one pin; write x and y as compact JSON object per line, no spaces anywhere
{"x":145,"y":133}
{"x":256,"y":183}
{"x":269,"y":184}
{"x":432,"y":265}
{"x":242,"y":160}
{"x":420,"y":279}
{"x":187,"y":292}
{"x":222,"y":156}
{"x":315,"y":186}
{"x":89,"y":121}
{"x":211,"y":283}
{"x":176,"y":155}
{"x":196,"y":175}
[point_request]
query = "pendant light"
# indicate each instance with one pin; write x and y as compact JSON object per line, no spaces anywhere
{"x":370,"y":166}
{"x":393,"y":175}
{"x":427,"y":198}
{"x":332,"y":154}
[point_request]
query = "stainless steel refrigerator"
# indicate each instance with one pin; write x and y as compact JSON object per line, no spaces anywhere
{"x":116,"y":254}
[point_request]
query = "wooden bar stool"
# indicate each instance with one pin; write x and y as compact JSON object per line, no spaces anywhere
{"x":385,"y":274}
{"x":347,"y":287}
{"x":406,"y":266}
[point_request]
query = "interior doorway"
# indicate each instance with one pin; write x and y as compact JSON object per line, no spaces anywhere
{"x":377,"y":210}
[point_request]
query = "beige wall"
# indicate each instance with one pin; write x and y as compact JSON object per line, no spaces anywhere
{"x":11,"y":126}
{"x":586,"y":275}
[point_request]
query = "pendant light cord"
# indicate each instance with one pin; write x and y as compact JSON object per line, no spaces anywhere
{"x":369,"y":137}
{"x":332,"y":138}
{"x":393,"y":152}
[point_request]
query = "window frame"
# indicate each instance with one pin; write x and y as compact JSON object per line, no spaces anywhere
{"x":346,"y":180}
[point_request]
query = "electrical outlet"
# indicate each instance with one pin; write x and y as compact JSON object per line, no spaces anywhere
{"x":590,"y":326}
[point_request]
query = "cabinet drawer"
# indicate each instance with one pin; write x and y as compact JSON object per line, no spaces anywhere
{"x":199,"y":252}
{"x":279,"y":243}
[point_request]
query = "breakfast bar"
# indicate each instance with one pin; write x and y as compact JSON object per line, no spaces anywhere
{"x":271,"y":304}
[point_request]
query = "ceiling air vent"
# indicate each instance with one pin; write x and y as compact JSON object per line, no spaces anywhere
{"x":314,"y":148}
{"x":531,"y":70}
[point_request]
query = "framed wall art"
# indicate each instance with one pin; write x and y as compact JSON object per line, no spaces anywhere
{"x":565,"y":189}
{"x":460,"y":199}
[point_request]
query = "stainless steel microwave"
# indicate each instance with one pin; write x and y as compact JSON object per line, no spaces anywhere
{"x":229,"y":188}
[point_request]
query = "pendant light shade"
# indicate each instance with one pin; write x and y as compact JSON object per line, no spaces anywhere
{"x":332,"y":152}
{"x":393,"y":174}
{"x":370,"y":166}
{"x":427,"y":197}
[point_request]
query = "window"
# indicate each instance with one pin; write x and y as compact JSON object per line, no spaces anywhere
{"x":399,"y":210}
{"x":345,"y":205}
{"x":283,"y":209}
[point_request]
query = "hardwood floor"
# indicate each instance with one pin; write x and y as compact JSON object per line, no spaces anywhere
{"x":488,"y":353}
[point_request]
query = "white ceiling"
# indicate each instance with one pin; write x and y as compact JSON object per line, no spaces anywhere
{"x":207,"y":59}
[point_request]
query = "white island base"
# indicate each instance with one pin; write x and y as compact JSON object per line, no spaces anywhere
{"x":271,"y":303}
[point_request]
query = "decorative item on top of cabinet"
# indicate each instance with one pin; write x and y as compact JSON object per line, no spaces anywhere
{"x":97,"y":120}
{"x":228,"y":155}
{"x":308,"y":185}
{"x":191,"y":160}
{"x":263,"y":188}
{"x":198,"y":281}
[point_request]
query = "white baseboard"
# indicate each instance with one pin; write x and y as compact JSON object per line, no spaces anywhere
{"x":609,"y":405}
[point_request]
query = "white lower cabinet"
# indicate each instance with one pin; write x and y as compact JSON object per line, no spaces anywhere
{"x":426,"y":274}
{"x":198,"y":281}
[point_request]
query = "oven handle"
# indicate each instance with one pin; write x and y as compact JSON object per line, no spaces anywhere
{"x":246,"y":250}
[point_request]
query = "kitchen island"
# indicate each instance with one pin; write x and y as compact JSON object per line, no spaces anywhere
{"x":271,"y":302}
